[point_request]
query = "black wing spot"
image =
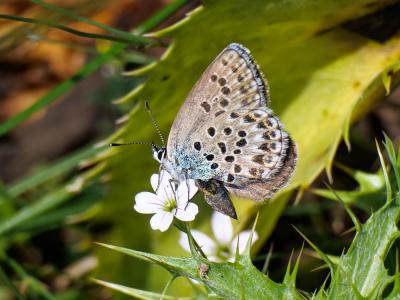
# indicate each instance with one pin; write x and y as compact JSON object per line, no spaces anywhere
{"x":224,"y":102}
{"x":214,"y":166}
{"x":237,"y":151}
{"x":197,"y":146}
{"x":241,"y":143}
{"x":225,"y":90}
{"x":222,"y":81}
{"x":211,"y":131}
{"x":229,"y":158}
{"x":219,"y":113}
{"x":230,"y":178}
{"x":227,"y":130}
{"x":205,"y":106}
{"x":242,"y":133}
{"x":222,"y":147}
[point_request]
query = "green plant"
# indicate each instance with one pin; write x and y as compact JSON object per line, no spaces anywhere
{"x":359,"y":273}
{"x":326,"y":71}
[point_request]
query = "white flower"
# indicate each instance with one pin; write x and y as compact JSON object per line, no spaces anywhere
{"x":223,"y":246}
{"x":169,"y":200}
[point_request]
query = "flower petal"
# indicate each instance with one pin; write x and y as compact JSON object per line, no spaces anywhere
{"x":166,"y":186}
{"x":154,"y":181}
{"x":161,"y":221}
{"x":206,"y":244}
{"x":183,"y":241}
{"x":186,"y":190}
{"x":187,"y":214}
{"x":222,"y":228}
{"x":182,"y":196}
{"x":192,"y":188}
{"x":243,"y":238}
{"x":148,"y":203}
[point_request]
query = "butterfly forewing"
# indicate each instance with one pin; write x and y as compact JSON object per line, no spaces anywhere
{"x":227,"y":131}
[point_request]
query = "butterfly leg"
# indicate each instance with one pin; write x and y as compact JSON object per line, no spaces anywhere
{"x":217,"y":197}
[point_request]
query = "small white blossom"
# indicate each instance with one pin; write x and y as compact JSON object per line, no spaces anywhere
{"x":223,"y":246}
{"x":168,"y":201}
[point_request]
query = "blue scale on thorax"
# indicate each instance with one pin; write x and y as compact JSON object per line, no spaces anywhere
{"x":193,"y":164}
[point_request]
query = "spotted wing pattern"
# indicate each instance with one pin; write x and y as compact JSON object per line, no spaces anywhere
{"x":231,"y":130}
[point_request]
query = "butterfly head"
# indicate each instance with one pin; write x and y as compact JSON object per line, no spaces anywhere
{"x":159,"y":153}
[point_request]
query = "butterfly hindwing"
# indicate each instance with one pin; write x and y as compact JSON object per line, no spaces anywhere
{"x":231,"y":135}
{"x":217,"y":197}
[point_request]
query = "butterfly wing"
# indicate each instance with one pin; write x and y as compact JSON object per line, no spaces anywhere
{"x":226,"y":131}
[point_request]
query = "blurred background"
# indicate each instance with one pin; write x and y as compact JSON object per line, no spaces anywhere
{"x":57,"y":102}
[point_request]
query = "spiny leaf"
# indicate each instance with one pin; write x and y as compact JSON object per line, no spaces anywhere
{"x":385,"y":174}
{"x":228,"y":280}
{"x":139,"y":294}
{"x":249,"y":242}
{"x":353,"y":217}
{"x":369,"y":196}
{"x":306,"y":92}
{"x":395,"y":292}
{"x":392,"y":158}
{"x":322,"y":255}
{"x":267,"y":260}
{"x":361,"y":270}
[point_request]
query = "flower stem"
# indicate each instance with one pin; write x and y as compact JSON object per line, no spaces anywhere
{"x":186,"y":229}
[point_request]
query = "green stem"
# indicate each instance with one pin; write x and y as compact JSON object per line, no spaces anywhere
{"x":4,"y":278}
{"x":89,"y":68}
{"x":184,"y":227}
{"x":133,"y":39}
{"x":33,"y":283}
{"x":67,"y":13}
{"x":31,"y":211}
{"x":60,"y":167}
{"x":163,"y":14}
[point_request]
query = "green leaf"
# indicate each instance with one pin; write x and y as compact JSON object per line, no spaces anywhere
{"x":87,"y":70}
{"x":126,"y":38}
{"x":394,"y":294}
{"x":129,"y":37}
{"x":361,"y":270}
{"x":139,"y":294}
{"x":370,"y":195}
{"x":314,"y":67}
{"x":227,"y":280}
{"x":321,"y":254}
{"x":66,"y":164}
{"x":33,"y":285}
{"x":34,"y":210}
{"x":7,"y":282}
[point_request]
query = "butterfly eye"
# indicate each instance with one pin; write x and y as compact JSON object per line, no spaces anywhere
{"x":162,"y":153}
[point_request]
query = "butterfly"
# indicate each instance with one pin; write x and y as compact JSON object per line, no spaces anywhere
{"x":226,"y":138}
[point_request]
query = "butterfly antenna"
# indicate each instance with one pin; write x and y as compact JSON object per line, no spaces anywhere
{"x":130,"y":143}
{"x":155,"y":125}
